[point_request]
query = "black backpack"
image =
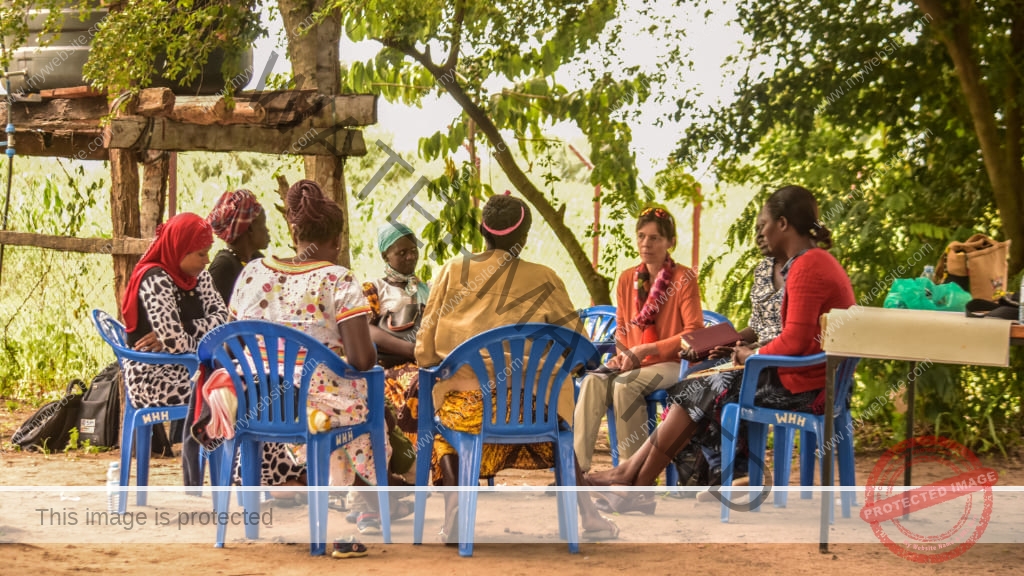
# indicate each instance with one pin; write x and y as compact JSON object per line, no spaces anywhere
{"x":99,"y":419}
{"x":50,"y":427}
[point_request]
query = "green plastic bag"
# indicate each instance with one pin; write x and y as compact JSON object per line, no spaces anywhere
{"x":923,"y":294}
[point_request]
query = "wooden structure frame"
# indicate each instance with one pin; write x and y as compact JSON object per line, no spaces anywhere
{"x":82,"y":124}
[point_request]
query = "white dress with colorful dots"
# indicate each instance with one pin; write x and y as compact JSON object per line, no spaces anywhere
{"x":315,"y":298}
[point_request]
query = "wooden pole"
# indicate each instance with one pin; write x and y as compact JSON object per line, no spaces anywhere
{"x":124,"y":212}
{"x":172,"y":185}
{"x":154,"y":191}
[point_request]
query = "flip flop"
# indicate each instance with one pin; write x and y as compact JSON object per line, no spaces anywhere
{"x":602,"y":535}
{"x":612,"y":502}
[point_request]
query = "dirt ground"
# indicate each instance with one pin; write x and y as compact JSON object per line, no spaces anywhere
{"x":689,"y":534}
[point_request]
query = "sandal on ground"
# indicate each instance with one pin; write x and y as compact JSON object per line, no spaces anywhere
{"x":337,"y":502}
{"x":602,"y":534}
{"x":352,"y":516}
{"x":368,"y":523}
{"x":348,"y":548}
{"x":623,"y":503}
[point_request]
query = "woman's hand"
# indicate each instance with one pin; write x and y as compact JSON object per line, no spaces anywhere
{"x":631,"y":359}
{"x":149,"y":343}
{"x":741,"y":353}
{"x":720,"y":352}
{"x":688,"y":355}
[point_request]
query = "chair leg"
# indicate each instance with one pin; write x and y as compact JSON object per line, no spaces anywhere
{"x":613,"y":437}
{"x":380,"y":462}
{"x":424,"y":449}
{"x":808,"y":455}
{"x":143,"y":446}
{"x":757,"y":440}
{"x":832,"y":506}
{"x":730,"y":429}
{"x":847,"y":466}
{"x":470,"y":450}
{"x":783,"y":462}
{"x":220,"y":486}
{"x":318,"y":457}
{"x":127,"y":438}
{"x":251,"y":462}
{"x":568,"y":510}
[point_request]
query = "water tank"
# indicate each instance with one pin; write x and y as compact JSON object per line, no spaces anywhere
{"x":59,"y":65}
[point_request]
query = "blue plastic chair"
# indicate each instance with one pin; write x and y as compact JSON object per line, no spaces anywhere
{"x":660,"y":397}
{"x":529,"y":419}
{"x":138,"y":423}
{"x":812,"y":428}
{"x":271,"y":408}
{"x":599,"y":325}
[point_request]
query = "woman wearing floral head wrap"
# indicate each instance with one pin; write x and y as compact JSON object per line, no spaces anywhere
{"x":396,"y":308}
{"x":239,"y":220}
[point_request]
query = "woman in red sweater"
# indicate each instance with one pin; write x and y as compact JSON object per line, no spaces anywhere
{"x":815,"y":283}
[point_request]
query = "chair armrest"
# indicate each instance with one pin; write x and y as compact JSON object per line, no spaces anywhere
{"x":754,"y":365}
{"x":189,"y":361}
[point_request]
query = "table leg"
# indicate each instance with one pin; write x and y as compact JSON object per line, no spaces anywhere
{"x":827,"y":499}
{"x":909,"y":455}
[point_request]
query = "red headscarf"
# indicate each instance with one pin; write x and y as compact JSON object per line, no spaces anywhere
{"x":176,"y":238}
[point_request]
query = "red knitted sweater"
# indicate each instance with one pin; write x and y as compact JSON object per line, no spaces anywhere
{"x":816,"y":284}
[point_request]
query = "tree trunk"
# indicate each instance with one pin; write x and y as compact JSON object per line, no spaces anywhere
{"x":1002,"y":159}
{"x":154,"y":191}
{"x":315,"y":58}
{"x":597,"y":285}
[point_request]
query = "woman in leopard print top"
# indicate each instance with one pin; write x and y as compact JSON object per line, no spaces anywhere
{"x":169,"y":305}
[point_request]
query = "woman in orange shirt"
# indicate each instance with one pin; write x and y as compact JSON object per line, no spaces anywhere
{"x":658,"y":301}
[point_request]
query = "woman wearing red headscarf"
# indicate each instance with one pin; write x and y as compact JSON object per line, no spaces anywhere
{"x":169,"y":305}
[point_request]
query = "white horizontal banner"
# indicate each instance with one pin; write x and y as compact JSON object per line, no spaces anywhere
{"x":528,"y":514}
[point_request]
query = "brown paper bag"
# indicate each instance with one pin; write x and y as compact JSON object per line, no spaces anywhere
{"x":979,"y":265}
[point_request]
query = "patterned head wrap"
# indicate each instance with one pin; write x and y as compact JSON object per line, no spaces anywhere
{"x":233,"y":213}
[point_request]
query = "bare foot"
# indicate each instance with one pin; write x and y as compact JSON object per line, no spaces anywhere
{"x":597,"y":527}
{"x":603,"y":478}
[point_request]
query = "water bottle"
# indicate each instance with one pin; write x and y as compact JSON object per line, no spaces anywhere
{"x":113,"y":487}
{"x":1020,"y":296}
{"x":929,"y":273}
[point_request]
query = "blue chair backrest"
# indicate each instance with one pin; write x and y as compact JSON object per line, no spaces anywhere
{"x":529,"y":361}
{"x":272,"y":357}
{"x":713,"y":318}
{"x":599,"y":322}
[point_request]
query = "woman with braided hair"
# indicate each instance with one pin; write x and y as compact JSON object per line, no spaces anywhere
{"x":474,"y":294}
{"x":310,"y":293}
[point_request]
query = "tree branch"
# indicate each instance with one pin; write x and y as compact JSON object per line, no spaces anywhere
{"x":597,"y":285}
{"x":453,"y":51}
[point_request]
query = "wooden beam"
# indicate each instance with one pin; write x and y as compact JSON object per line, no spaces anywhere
{"x":81,"y":145}
{"x":164,"y":134}
{"x":132,"y":246}
{"x":155,"y":102}
{"x":69,"y":93}
{"x":155,"y":166}
{"x":62,"y":114}
{"x":268,"y":109}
